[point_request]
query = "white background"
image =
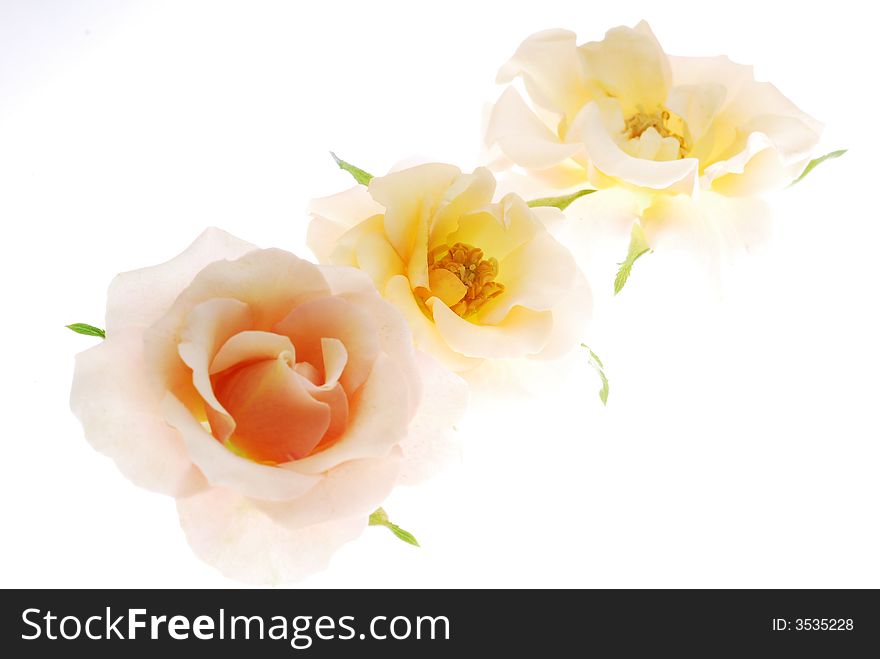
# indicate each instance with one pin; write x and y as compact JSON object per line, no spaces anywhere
{"x":740,"y":443}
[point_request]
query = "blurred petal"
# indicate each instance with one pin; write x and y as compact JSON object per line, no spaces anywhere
{"x":322,"y":237}
{"x":231,"y":533}
{"x":121,"y":416}
{"x":346,"y":208}
{"x":429,"y":444}
{"x":712,"y":70}
{"x":698,"y":105}
{"x":676,"y":222}
{"x":570,"y":317}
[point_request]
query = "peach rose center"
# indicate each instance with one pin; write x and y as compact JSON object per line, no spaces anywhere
{"x":287,"y":392}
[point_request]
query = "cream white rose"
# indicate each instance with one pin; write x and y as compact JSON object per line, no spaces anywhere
{"x":620,"y":113}
{"x":277,"y":400}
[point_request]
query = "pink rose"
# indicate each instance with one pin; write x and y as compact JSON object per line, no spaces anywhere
{"x":277,"y":400}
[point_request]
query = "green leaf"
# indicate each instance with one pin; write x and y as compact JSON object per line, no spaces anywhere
{"x":562,"y":202}
{"x":816,"y":162}
{"x":638,"y":245}
{"x":359,"y":175}
{"x":380,"y":518}
{"x":88,"y":330}
{"x":596,"y":363}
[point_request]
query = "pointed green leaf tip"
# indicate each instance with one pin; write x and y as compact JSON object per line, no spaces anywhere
{"x":357,"y":173}
{"x":88,"y":330}
{"x":816,"y":162}
{"x":380,"y":518}
{"x":562,"y":202}
{"x":638,"y":245}
{"x":596,"y":363}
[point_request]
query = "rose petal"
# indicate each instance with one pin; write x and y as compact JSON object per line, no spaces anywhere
{"x":335,"y":359}
{"x":221,"y":467}
{"x":141,"y":297}
{"x":230,"y":532}
{"x":121,"y":416}
{"x":629,"y":64}
{"x":610,"y":159}
{"x":536,"y":275}
{"x":276,"y":417}
{"x":698,"y":105}
{"x":676,"y":222}
{"x":292,"y":282}
{"x":718,"y":70}
{"x":761,"y":117}
{"x":375,"y":256}
{"x":570,"y":317}
{"x":552,"y":71}
{"x":335,"y":398}
{"x":425,"y":333}
{"x":446,"y":286}
{"x":395,"y":337}
{"x":499,"y":229}
{"x":250,"y":346}
{"x":711,"y":227}
{"x":377,"y":421}
{"x":523,"y":136}
{"x":429,"y":444}
{"x":469,"y":192}
{"x":208,"y":326}
{"x":344,"y":250}
{"x":742,"y":222}
{"x":333,"y":317}
{"x":410,"y":198}
{"x":523,"y":332}
{"x":346,"y":208}
{"x":354,"y":488}
{"x":763,"y":172}
{"x":322,"y":237}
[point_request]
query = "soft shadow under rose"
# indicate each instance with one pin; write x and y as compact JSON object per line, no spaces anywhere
{"x":277,"y":400}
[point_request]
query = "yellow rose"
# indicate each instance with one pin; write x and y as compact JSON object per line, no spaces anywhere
{"x":476,"y":280}
{"x":620,"y":113}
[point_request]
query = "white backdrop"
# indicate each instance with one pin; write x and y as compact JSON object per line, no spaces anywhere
{"x":740,"y":443}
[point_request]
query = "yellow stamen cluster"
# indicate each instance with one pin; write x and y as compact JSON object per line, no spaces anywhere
{"x":478,"y":274}
{"x":659,"y":121}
